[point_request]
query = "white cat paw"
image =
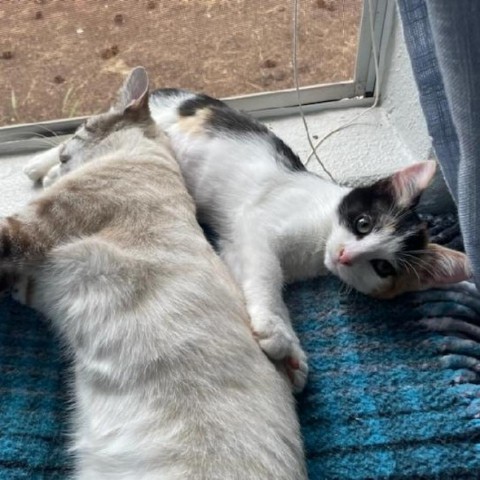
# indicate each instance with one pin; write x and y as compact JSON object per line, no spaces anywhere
{"x":51,"y":177}
{"x":297,"y":367}
{"x":281,"y":344}
{"x":41,"y":163}
{"x":34,"y":170}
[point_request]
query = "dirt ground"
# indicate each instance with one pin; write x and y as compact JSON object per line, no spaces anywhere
{"x":65,"y":58}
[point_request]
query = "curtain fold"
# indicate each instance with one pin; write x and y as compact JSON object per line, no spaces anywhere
{"x":443,"y":42}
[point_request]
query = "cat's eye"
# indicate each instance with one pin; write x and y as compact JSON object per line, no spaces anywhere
{"x":363,"y":224}
{"x":383,"y":268}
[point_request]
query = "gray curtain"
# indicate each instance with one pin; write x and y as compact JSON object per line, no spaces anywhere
{"x":443,"y":41}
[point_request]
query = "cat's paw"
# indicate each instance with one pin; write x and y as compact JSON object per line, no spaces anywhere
{"x":51,"y":177}
{"x":296,"y":365}
{"x":40,"y":164}
{"x":34,"y":170}
{"x":281,"y":344}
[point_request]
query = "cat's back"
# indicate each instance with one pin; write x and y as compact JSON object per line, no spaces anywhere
{"x":184,"y":113}
{"x":227,"y":157}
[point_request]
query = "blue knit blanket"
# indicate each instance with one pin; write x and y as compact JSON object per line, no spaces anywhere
{"x":393,"y":389}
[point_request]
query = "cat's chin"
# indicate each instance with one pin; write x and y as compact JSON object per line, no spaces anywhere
{"x":336,"y":269}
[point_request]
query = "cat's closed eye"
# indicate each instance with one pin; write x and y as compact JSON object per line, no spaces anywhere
{"x":383,"y":268}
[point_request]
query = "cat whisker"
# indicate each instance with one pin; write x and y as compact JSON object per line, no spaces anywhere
{"x":402,"y":215}
{"x":419,"y":252}
{"x":45,"y":138}
{"x":391,"y":210}
{"x":409,"y":267}
{"x":420,"y":263}
{"x":413,"y":260}
{"x":53,"y":133}
{"x":345,"y":289}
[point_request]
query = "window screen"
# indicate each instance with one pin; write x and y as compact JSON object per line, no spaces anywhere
{"x":65,"y":58}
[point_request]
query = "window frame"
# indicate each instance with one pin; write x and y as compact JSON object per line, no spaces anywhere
{"x":23,"y":138}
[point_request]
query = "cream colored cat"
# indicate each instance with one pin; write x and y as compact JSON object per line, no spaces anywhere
{"x":169,"y":381}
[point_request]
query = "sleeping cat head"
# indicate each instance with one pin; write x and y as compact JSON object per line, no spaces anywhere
{"x":127,"y":122}
{"x":379,"y":245}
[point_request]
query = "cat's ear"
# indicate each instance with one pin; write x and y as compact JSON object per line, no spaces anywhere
{"x":133,"y":96}
{"x":409,"y":183}
{"x":440,"y":266}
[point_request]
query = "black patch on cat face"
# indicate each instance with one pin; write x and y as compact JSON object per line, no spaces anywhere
{"x":373,"y":200}
{"x":378,"y":201}
{"x":228,"y":120}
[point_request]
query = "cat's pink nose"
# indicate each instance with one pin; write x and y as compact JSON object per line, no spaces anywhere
{"x":344,"y":258}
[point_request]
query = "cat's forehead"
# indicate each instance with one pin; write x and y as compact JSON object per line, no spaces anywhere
{"x":376,"y":199}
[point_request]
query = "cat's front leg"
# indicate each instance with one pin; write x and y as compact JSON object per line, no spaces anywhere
{"x":257,"y":269}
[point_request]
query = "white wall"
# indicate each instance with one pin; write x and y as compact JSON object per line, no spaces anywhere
{"x":384,"y":139}
{"x":400,"y":99}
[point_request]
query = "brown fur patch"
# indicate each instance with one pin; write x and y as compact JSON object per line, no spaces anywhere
{"x":44,"y":206}
{"x":14,"y":238}
{"x":195,"y":124}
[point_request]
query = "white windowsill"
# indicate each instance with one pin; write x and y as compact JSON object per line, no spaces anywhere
{"x":370,"y":148}
{"x":383,"y":140}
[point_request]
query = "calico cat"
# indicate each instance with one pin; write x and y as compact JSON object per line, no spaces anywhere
{"x":169,"y":382}
{"x":279,"y":223}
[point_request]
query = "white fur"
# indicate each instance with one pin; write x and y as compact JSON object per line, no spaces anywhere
{"x":274,"y":225}
{"x":361,"y":274}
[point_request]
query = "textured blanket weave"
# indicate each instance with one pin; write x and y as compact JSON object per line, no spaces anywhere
{"x":392,"y":391}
